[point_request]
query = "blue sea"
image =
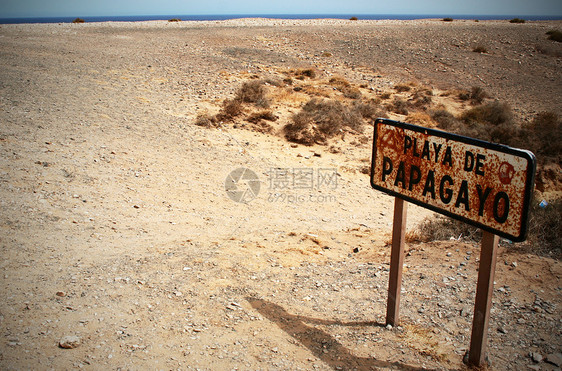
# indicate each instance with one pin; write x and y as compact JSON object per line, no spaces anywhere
{"x":137,"y":18}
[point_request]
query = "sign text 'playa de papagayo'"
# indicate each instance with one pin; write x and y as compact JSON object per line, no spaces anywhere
{"x":484,"y":184}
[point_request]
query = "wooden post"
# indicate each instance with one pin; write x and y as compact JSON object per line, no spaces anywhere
{"x":483,"y":303}
{"x":396,"y":262}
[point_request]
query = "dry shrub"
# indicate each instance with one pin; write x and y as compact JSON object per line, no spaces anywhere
{"x":266,"y":115}
{"x":351,"y":93}
{"x":491,"y":122}
{"x":303,"y":73}
{"x":230,"y":109}
{"x":422,"y":99}
{"x":402,"y":88}
{"x":316,"y":91}
{"x":399,"y":106}
{"x":320,"y":120}
{"x":369,"y":110}
{"x":339,"y":82}
{"x":263,"y":127}
{"x":353,"y":19}
{"x":327,"y":54}
{"x":174,"y":20}
{"x":385,"y":95}
{"x":78,"y":20}
{"x":477,"y":95}
{"x":543,"y":136}
{"x":445,"y":120}
{"x":421,"y":118}
{"x":494,"y":113}
{"x":545,"y":228}
{"x":480,"y":49}
{"x":516,"y":20}
{"x":550,"y":49}
{"x":206,"y":120}
{"x":447,"y":19}
{"x":555,"y":35}
{"x":253,"y":92}
{"x":441,"y":228}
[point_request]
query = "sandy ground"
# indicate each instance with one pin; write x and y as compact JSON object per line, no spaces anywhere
{"x":115,"y":226}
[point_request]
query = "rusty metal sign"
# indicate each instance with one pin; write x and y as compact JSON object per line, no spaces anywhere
{"x":484,"y":184}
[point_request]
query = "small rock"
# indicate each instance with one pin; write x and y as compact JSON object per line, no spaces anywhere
{"x":555,"y":359}
{"x":61,"y":293}
{"x":69,"y":342}
{"x":389,"y":327}
{"x":536,"y":357}
{"x":514,"y":264}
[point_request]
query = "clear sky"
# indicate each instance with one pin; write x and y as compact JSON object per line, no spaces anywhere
{"x":84,"y":8}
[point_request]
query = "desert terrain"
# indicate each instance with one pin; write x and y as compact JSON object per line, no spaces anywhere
{"x":119,"y":241}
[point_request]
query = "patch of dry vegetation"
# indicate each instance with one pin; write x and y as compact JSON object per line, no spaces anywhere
{"x":320,"y":120}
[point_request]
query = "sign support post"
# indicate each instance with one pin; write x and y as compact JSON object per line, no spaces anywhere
{"x":483,"y":303}
{"x":396,"y":261}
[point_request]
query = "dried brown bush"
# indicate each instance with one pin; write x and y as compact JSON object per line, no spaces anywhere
{"x":399,"y":106}
{"x":494,"y":113}
{"x":339,"y":82}
{"x":206,"y":120}
{"x":262,"y":115}
{"x":253,"y":92}
{"x":351,"y":93}
{"x":302,"y":73}
{"x":544,"y":230}
{"x":476,"y":95}
{"x":555,"y":35}
{"x":320,"y":120}
{"x":230,"y":109}
{"x":543,"y":136}
{"x":370,"y":109}
{"x":421,"y":118}
{"x":445,"y":120}
{"x":402,"y":88}
{"x":441,"y":228}
{"x":480,"y":49}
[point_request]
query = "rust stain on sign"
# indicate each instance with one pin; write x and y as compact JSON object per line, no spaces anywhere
{"x":484,"y":184}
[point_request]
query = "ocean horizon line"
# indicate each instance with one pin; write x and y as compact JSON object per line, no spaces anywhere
{"x":223,"y":17}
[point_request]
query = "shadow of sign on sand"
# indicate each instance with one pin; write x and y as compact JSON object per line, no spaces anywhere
{"x":317,"y":341}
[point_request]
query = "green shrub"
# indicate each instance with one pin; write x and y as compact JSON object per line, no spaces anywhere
{"x":517,"y":20}
{"x":353,"y":18}
{"x":174,"y":20}
{"x":447,"y":19}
